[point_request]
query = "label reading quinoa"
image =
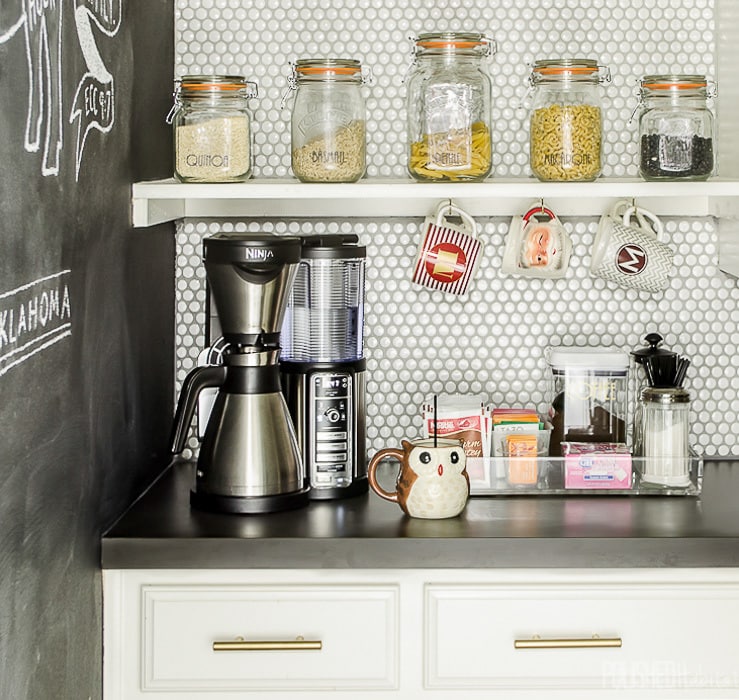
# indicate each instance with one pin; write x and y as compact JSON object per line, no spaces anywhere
{"x":213,"y":150}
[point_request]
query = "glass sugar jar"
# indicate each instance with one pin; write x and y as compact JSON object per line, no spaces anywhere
{"x":212,"y":128}
{"x":665,"y":436}
{"x":328,"y":120}
{"x":676,"y":127}
{"x":566,"y":123}
{"x":449,"y":107}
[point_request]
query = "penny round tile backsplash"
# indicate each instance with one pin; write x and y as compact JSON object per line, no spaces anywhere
{"x":491,"y":341}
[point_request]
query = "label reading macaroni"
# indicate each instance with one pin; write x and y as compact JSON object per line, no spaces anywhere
{"x":566,"y":142}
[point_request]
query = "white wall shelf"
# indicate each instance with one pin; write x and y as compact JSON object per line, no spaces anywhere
{"x":159,"y":201}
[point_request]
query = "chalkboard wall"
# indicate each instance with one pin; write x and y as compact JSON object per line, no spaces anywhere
{"x":86,"y":309}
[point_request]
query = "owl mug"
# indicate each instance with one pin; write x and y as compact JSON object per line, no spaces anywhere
{"x":432,"y":481}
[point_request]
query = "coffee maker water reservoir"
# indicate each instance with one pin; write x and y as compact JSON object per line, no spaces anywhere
{"x":322,"y":364}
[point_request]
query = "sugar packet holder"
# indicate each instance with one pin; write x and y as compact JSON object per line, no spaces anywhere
{"x":448,"y":254}
{"x":537,"y":245}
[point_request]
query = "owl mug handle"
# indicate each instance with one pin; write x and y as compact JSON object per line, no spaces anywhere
{"x":388,"y":452}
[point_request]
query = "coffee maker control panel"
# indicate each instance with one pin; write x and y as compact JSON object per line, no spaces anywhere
{"x":331,"y":421}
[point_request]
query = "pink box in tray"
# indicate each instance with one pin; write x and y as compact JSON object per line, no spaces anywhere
{"x":597,"y":465}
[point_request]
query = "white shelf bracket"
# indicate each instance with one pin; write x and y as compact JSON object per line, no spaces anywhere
{"x":150,"y":212}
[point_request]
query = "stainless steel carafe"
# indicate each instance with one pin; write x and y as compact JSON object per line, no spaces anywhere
{"x":249,"y":461}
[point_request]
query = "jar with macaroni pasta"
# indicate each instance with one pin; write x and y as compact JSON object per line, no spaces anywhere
{"x":449,"y":107}
{"x":212,"y":128}
{"x":328,"y":120}
{"x":566,"y":124}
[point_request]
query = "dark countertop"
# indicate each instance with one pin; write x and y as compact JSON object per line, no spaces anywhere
{"x":161,"y":531}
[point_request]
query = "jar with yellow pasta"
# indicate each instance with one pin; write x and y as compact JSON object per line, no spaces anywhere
{"x":449,"y":107}
{"x":566,"y":125}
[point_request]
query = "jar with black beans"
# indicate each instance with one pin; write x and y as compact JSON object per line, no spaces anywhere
{"x":676,"y":128}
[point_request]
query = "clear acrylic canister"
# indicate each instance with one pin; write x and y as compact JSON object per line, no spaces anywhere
{"x":589,"y":390}
{"x":328,"y":120}
{"x":566,"y":124}
{"x":212,"y":128}
{"x":449,"y":107}
{"x":665,"y":436}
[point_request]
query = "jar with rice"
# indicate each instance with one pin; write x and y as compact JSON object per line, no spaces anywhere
{"x":449,"y":107}
{"x":566,"y":124}
{"x":328,"y":120}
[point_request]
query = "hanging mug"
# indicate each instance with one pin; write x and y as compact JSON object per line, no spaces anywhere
{"x":448,"y":254}
{"x":537,"y":245}
{"x":627,"y":249}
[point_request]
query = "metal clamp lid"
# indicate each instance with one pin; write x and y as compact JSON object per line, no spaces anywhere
{"x":328,"y":69}
{"x":586,"y":69}
{"x":455,"y":41}
{"x":225,"y":86}
{"x":665,"y":396}
{"x":441,"y":43}
{"x":673,"y":85}
{"x":677,"y":83}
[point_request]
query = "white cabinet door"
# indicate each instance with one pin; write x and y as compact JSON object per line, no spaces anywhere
{"x":603,"y":637}
{"x":281,"y":637}
{"x":234,"y":635}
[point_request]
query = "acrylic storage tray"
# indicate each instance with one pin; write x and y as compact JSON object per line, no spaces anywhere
{"x":545,"y":476}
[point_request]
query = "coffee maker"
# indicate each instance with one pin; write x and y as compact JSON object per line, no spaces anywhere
{"x":249,"y":460}
{"x":322,"y":364}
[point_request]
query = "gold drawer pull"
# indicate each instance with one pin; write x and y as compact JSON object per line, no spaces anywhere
{"x":240,"y":644}
{"x":594,"y":642}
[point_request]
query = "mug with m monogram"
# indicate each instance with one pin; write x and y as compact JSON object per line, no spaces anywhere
{"x":627,"y":249}
{"x":448,"y":254}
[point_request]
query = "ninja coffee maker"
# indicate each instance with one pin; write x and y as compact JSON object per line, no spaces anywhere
{"x":322,"y":364}
{"x":249,"y":460}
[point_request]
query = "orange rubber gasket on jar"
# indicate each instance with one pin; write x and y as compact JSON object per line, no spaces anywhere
{"x":565,"y":69}
{"x":212,"y":86}
{"x":454,"y":44}
{"x":306,"y":70}
{"x":675,"y":85}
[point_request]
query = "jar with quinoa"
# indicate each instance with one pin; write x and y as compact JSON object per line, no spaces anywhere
{"x":212,"y":128}
{"x":328,"y":120}
{"x":449,"y":107}
{"x":566,"y":124}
